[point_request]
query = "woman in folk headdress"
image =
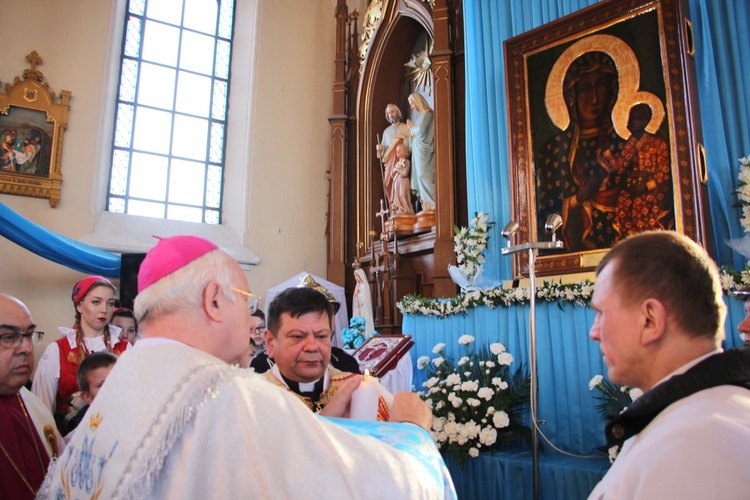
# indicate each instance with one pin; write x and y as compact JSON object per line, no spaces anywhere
{"x":55,"y":378}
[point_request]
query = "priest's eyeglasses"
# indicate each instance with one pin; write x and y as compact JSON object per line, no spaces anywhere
{"x":247,"y":294}
{"x":10,"y":337}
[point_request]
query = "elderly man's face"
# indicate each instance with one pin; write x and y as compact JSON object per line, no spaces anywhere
{"x":302,"y":346}
{"x":392,"y":114}
{"x":15,"y":363}
{"x":616,"y":328}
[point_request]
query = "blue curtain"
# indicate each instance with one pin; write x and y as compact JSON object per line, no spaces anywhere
{"x":722,"y":47}
{"x":55,"y":247}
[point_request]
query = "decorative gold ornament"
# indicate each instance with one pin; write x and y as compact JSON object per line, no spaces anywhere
{"x":373,"y":16}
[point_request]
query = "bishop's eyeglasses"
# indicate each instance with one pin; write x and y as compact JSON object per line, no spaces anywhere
{"x":11,"y":337}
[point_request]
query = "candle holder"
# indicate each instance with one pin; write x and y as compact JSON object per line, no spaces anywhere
{"x":553,"y":223}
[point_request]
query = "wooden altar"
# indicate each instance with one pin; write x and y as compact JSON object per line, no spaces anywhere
{"x":373,"y":50}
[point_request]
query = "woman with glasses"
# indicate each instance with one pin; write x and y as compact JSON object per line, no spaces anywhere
{"x":55,"y":378}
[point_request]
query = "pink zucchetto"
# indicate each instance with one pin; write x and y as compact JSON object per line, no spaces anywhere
{"x":169,"y":255}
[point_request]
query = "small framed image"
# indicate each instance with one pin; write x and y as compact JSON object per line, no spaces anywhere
{"x":32,"y":125}
{"x":604,"y":130}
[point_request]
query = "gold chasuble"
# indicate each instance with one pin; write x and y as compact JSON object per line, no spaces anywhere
{"x":333,"y":380}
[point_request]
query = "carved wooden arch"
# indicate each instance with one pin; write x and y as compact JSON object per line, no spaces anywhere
{"x":401,"y":25}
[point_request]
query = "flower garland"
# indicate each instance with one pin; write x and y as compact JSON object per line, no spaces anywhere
{"x":476,"y":402}
{"x":743,"y":192}
{"x":579,"y":293}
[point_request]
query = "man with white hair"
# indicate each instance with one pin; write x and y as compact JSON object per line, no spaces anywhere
{"x":179,"y":418}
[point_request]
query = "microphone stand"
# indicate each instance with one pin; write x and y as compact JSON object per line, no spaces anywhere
{"x":532,"y":248}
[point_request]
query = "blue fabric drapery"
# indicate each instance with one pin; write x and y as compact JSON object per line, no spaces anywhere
{"x":722,"y":47}
{"x":57,"y":248}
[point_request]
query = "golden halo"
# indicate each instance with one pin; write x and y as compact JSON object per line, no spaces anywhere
{"x":628,"y":73}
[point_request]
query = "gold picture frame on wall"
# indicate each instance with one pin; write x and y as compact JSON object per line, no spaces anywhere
{"x":604,"y":130}
{"x":32,"y":125}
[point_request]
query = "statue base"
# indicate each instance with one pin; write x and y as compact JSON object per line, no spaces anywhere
{"x":401,"y":222}
{"x":425,"y":218}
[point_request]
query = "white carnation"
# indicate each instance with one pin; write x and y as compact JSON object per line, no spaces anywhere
{"x":437,"y":362}
{"x":505,"y":358}
{"x":422,"y":362}
{"x":501,"y":419}
{"x":430,"y":382}
{"x":635,"y":393}
{"x":438,"y":348}
{"x":465,"y":339}
{"x":594,"y":382}
{"x":499,"y":383}
{"x":485,"y":393}
{"x":488,"y":436}
{"x":470,"y":385}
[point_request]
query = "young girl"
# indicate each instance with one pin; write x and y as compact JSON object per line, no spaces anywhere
{"x":55,"y":378}
{"x":125,"y":320}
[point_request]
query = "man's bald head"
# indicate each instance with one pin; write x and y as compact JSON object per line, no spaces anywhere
{"x":16,"y":363}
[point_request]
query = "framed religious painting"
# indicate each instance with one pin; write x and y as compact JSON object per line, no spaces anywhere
{"x":31,"y":135}
{"x":604,"y":130}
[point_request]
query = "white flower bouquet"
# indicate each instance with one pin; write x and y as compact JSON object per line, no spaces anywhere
{"x":614,"y":399}
{"x":476,"y":402}
{"x":743,"y":192}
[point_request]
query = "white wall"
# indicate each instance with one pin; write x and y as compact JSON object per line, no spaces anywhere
{"x":288,"y":145}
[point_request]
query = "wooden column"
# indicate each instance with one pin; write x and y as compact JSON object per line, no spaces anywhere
{"x":444,"y":154}
{"x":337,"y":172}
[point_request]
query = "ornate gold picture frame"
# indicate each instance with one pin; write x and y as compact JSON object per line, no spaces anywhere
{"x":604,"y":130}
{"x":31,"y":140}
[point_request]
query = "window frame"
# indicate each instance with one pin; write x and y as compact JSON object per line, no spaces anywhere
{"x":124,"y":233}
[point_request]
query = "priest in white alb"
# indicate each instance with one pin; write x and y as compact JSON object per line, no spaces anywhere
{"x":179,"y":418}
